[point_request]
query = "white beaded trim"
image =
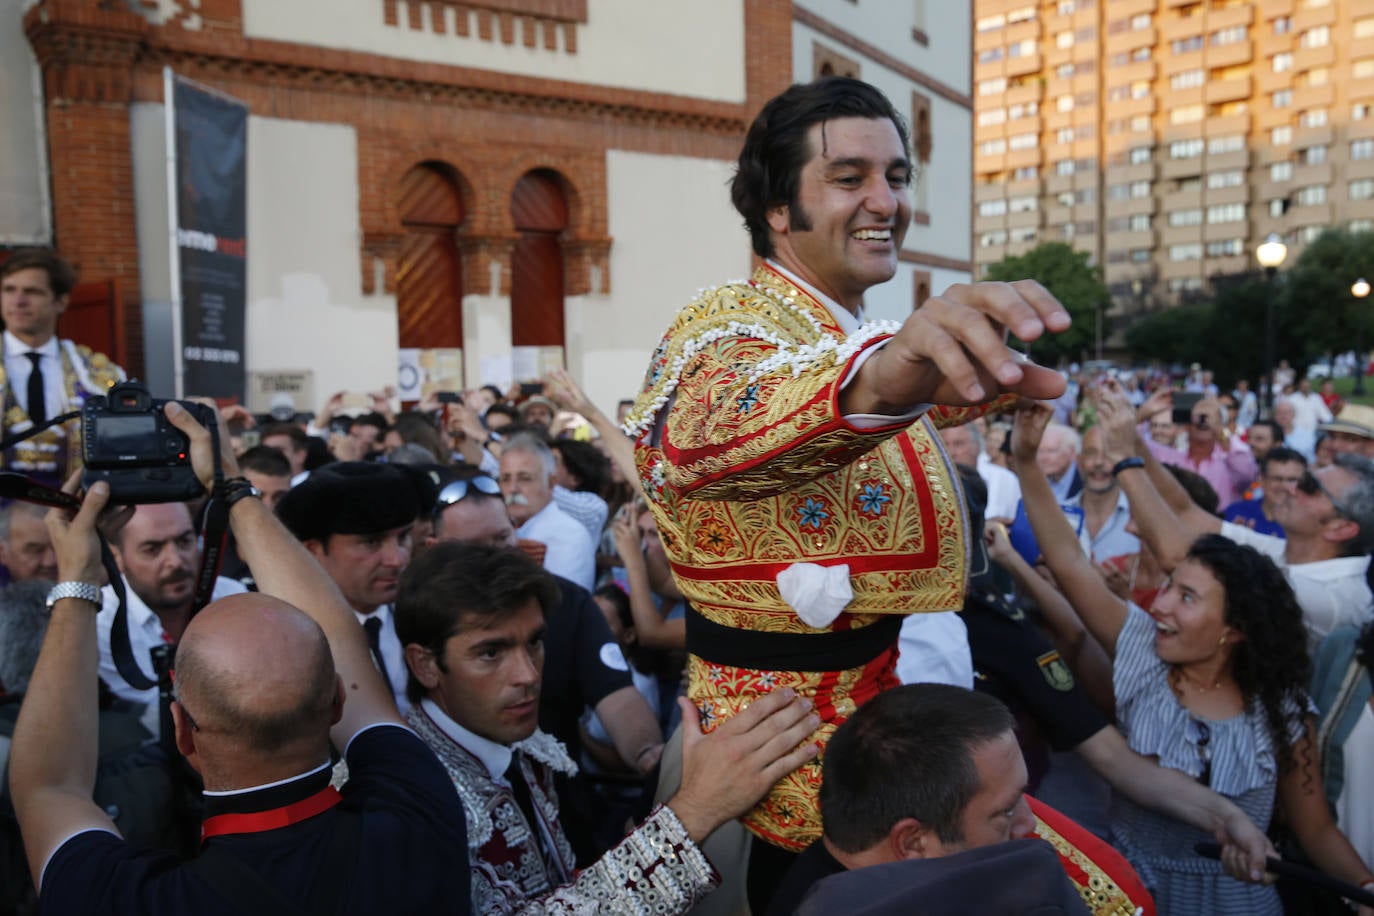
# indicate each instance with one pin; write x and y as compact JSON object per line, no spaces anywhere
{"x":804,"y":357}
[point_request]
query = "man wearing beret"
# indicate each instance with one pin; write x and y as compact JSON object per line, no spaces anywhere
{"x":356,"y":518}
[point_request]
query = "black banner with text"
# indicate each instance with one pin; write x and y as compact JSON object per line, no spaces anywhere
{"x":212,"y":226}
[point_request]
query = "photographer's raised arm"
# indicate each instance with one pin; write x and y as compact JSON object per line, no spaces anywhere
{"x":284,"y":569}
{"x":53,"y":757}
{"x":1167,"y":518}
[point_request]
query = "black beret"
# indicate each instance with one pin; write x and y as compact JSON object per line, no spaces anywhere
{"x":350,"y":497}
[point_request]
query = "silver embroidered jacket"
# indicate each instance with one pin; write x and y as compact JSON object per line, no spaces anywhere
{"x":656,"y":869}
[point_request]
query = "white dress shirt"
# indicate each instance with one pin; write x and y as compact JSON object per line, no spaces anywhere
{"x":393,"y":653}
{"x":1331,"y":593}
{"x":571,"y":553}
{"x":18,"y":368}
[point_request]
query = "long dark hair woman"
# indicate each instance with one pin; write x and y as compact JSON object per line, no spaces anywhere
{"x":1212,"y":680}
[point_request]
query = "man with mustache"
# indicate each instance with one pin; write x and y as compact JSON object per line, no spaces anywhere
{"x":786,"y":442}
{"x":158,"y":553}
{"x":527,"y":479}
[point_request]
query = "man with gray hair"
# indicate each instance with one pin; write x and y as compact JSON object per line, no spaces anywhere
{"x":1327,"y":521}
{"x":25,"y":546}
{"x":527,"y":481}
{"x":1058,"y":458}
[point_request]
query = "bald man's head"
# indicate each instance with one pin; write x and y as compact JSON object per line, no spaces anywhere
{"x":255,"y":671}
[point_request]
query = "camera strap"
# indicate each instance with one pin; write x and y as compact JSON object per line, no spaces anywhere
{"x":12,"y":441}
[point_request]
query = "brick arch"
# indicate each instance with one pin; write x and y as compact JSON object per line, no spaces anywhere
{"x":585,"y":243}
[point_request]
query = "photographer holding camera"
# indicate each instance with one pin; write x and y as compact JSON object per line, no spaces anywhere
{"x":264,"y":683}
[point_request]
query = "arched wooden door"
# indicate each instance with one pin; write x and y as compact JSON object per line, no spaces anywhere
{"x":429,"y":271}
{"x":539,"y":210}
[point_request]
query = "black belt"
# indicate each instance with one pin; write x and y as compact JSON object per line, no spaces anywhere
{"x":838,"y":650}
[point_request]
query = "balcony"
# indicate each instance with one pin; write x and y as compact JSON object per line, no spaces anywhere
{"x":1309,"y":58}
{"x":1024,"y":219}
{"x":1303,"y":137}
{"x":1229,"y":55}
{"x":1305,"y":175}
{"x":1314,"y":97}
{"x":1305,"y":17}
{"x":1228,"y":90}
{"x":1021,"y":158}
{"x":1180,"y":168}
{"x":1020,"y":66}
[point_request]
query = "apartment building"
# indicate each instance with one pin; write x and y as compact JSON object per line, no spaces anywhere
{"x":1168,"y":138}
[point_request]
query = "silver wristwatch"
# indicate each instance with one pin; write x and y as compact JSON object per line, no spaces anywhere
{"x":83,"y":590}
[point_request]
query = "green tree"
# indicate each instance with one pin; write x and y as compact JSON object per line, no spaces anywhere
{"x":1317,"y":313}
{"x":1067,"y":274}
{"x":1225,"y":334}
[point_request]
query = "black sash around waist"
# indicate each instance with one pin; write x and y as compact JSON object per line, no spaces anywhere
{"x":839,"y":650}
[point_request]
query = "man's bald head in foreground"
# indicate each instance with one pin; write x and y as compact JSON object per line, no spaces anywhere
{"x":255,"y":687}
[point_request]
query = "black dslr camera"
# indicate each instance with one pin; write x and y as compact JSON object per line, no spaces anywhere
{"x":128,"y":442}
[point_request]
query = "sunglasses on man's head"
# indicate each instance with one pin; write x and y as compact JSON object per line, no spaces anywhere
{"x":1310,"y":484}
{"x":455,"y":491}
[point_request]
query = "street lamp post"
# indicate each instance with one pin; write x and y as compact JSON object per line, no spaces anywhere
{"x":1359,"y":289}
{"x":1270,"y":255}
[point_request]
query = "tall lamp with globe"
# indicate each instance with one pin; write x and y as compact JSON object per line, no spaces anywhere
{"x":1270,"y":254}
{"x":1359,"y":289}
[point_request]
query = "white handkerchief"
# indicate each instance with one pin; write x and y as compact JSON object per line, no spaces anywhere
{"x":817,"y":593}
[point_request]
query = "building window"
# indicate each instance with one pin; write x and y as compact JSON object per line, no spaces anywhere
{"x":1188,"y":79}
{"x":1225,"y":248}
{"x":1186,"y":45}
{"x":992,"y":86}
{"x":1063,"y":40}
{"x":992,"y":147}
{"x":1311,"y":196}
{"x":922,"y":139}
{"x":1140,"y":22}
{"x":1281,"y":171}
{"x":1283,"y":62}
{"x":1140,"y":189}
{"x":1191,"y":217}
{"x":1186,"y":149}
{"x":1139,"y":222}
{"x":1362,"y":69}
{"x":1281,"y":99}
{"x":1314,"y":117}
{"x":1024,"y":173}
{"x":1021,"y":14}
{"x":1231,"y":143}
{"x":1140,"y":154}
{"x":1362,"y":225}
{"x":1283,"y":25}
{"x":1189,"y":252}
{"x":1281,"y":136}
{"x":992,"y":116}
{"x":1022,"y":141}
{"x":1360,"y":110}
{"x":1185,"y":284}
{"x":1140,"y":255}
{"x":1308,"y":234}
{"x":1232,"y":178}
{"x":1063,"y":135}
{"x":1362,"y":149}
{"x":1022,"y":234}
{"x":993,"y":207}
{"x":1063,"y":167}
{"x":1278,"y":207}
{"x":1225,"y":213}
{"x":1316,"y":37}
{"x":1229,"y":36}
{"x":991,"y":23}
{"x":1022,"y":205}
{"x":1064,"y":103}
{"x":1187,"y":114}
{"x":1313,"y":155}
{"x":993,"y":238}
{"x":1363,"y":189}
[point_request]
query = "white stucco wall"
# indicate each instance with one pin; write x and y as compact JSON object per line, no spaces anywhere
{"x":25,"y":208}
{"x":693,"y":49}
{"x":675,"y":233}
{"x":887,"y":26}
